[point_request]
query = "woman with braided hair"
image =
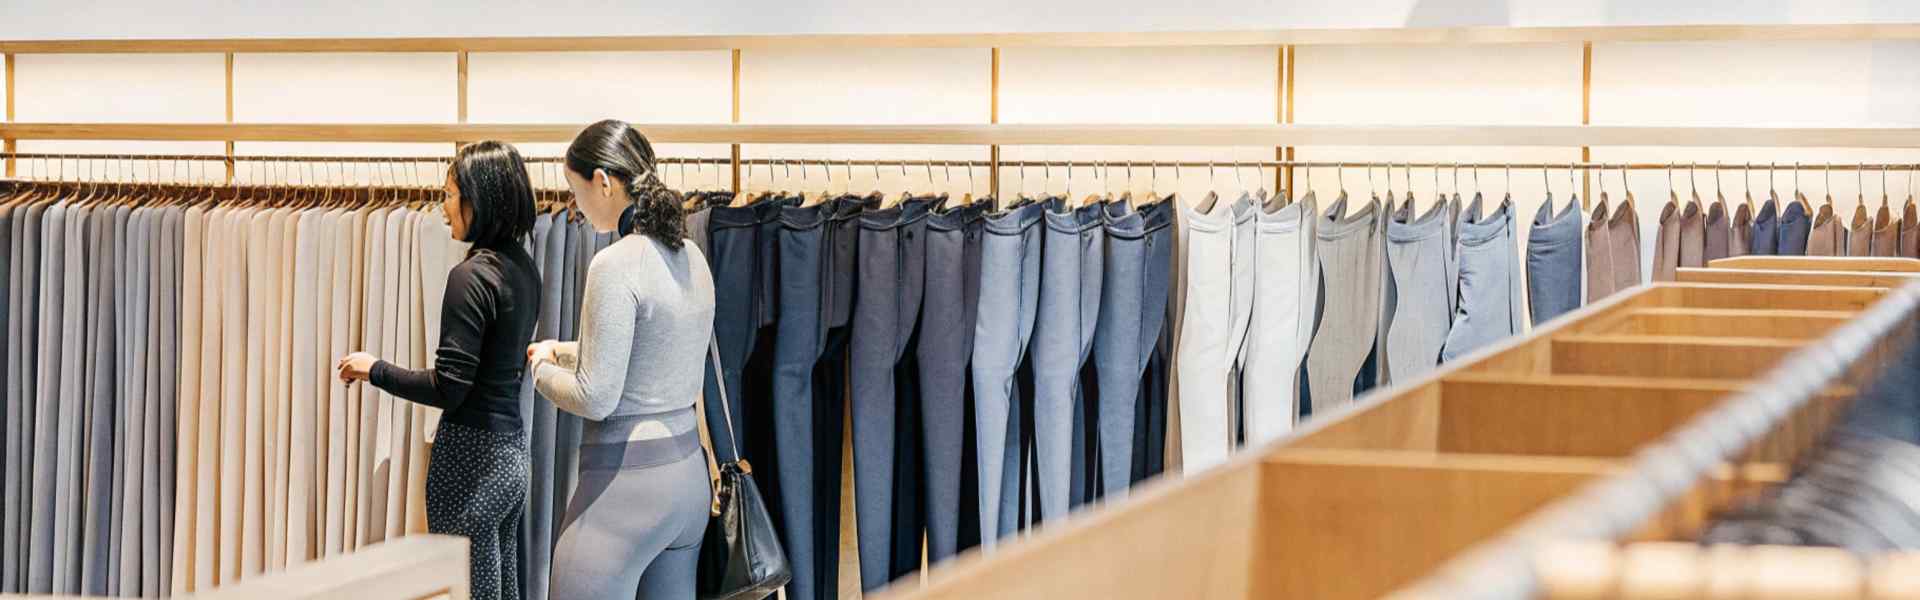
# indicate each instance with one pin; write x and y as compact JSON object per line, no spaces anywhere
{"x":634,"y":524}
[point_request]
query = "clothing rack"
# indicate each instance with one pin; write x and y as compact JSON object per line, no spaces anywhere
{"x":1583,"y":166}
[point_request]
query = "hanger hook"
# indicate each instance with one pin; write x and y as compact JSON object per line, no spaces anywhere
{"x":1827,"y":181}
{"x":1509,"y":181}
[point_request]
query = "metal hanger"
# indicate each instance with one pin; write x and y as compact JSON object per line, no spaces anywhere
{"x":1673,"y":191}
{"x":1693,"y":184}
{"x":1884,"y":215}
{"x":1507,"y":196}
{"x":1371,"y":190}
{"x":1242,"y":183}
{"x":1626,"y":192}
{"x":1573,"y":187}
{"x":1773,"y":194}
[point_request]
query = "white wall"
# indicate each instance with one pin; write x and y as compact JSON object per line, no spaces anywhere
{"x":1134,"y":86}
{"x":897,"y":86}
{"x":47,"y":19}
{"x":82,"y":88}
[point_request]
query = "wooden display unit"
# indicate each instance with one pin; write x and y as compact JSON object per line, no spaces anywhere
{"x":1393,"y":494}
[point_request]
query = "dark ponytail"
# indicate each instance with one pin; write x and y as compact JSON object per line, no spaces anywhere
{"x":626,"y":155}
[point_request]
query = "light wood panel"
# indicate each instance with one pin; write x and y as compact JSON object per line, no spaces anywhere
{"x":1411,"y":421}
{"x":1668,"y":356}
{"x":419,"y":566}
{"x":1326,"y":36}
{"x":1862,"y":278}
{"x":1727,"y":322}
{"x":1818,"y":263}
{"x":1566,"y":416}
{"x":1207,"y":553}
{"x":1528,"y":415}
{"x":1249,"y":135}
{"x":1788,"y":297}
{"x":1348,"y":529}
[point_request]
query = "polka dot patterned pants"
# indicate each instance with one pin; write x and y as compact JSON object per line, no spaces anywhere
{"x":477,"y":487}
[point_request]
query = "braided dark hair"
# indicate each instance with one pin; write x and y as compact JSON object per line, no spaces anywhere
{"x":624,"y":153}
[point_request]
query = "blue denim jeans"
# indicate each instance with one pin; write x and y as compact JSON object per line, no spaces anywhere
{"x":1766,"y":230}
{"x":1002,"y":374}
{"x":1069,"y":310}
{"x":950,"y":306}
{"x":885,"y":386}
{"x":1129,"y":345}
{"x":810,"y":353}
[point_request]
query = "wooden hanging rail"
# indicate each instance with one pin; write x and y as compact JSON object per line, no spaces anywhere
{"x":1276,"y":37}
{"x":1249,"y":135}
{"x":1768,"y":262}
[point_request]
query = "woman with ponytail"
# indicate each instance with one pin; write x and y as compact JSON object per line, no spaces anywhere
{"x":634,"y":524}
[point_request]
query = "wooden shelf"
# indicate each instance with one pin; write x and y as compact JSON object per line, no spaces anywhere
{"x":1296,"y":37}
{"x":1249,"y":135}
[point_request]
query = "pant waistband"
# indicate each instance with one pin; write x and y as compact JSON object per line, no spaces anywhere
{"x":638,"y":454}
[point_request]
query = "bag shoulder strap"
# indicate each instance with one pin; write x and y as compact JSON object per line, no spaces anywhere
{"x":720,"y":379}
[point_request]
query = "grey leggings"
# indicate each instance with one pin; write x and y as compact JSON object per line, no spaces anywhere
{"x":634,"y":526}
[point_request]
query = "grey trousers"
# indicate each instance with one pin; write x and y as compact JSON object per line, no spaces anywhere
{"x":22,"y":300}
{"x":1133,"y":319}
{"x":40,"y":550}
{"x":1009,"y":301}
{"x":1795,"y":227}
{"x":1740,"y":231}
{"x":1719,"y":240}
{"x":1489,"y":285}
{"x":1069,"y":308}
{"x":1348,"y":248}
{"x":1553,"y":261}
{"x":1416,"y":264}
{"x":539,"y":527}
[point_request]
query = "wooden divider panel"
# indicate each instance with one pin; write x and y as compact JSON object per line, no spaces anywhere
{"x":1725,"y":322}
{"x":417,"y":566}
{"x":1408,"y":421}
{"x":1194,"y":540}
{"x":1358,"y":528}
{"x":1789,"y":297}
{"x":1567,"y":415}
{"x":1880,"y":279}
{"x":1817,"y":263}
{"x":1668,"y":356}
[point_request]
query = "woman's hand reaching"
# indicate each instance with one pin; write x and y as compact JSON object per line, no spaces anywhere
{"x":356,"y":366}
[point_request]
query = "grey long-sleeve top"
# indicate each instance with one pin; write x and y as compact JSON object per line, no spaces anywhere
{"x":645,"y":323}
